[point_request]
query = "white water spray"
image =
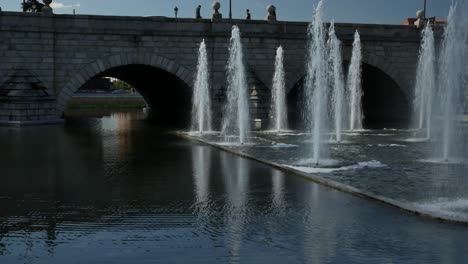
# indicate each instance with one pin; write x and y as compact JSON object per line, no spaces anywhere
{"x":425,"y":82}
{"x":336,"y":80}
{"x":452,"y":83}
{"x":236,"y":114}
{"x":316,"y":86}
{"x":201,"y":102}
{"x":354,"y":85}
{"x":278,"y":94}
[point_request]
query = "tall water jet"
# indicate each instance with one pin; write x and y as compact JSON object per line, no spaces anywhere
{"x":278,"y":94}
{"x":452,"y":83}
{"x":354,"y":85}
{"x":336,"y":80}
{"x":425,"y":82}
{"x":236,"y":114}
{"x":201,"y":102}
{"x":316,"y":86}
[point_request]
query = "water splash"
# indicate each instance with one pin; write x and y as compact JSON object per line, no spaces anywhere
{"x":236,"y":114}
{"x":451,"y":86}
{"x":278,"y":94}
{"x":316,"y":86}
{"x":425,"y":82}
{"x":201,"y":102}
{"x":354,"y":85}
{"x":336,"y":80}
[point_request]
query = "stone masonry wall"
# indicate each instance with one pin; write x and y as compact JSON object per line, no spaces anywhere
{"x":65,"y":51}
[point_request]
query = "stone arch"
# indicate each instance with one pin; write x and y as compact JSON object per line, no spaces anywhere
{"x":89,"y":70}
{"x":292,"y":78}
{"x":397,"y":87}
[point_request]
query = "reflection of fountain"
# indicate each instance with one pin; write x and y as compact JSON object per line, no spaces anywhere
{"x":201,"y":159}
{"x":278,"y":193}
{"x":316,"y":85}
{"x":201,"y":108}
{"x":236,"y":115}
{"x":425,"y":82}
{"x":337,"y":80}
{"x":451,"y":84}
{"x":236,"y":182}
{"x":354,"y":85}
{"x":278,"y":105}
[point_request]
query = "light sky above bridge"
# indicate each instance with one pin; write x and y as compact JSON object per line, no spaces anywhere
{"x":351,"y":11}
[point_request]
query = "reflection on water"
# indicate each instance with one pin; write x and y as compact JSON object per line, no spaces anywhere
{"x":381,"y":162}
{"x":117,"y":189}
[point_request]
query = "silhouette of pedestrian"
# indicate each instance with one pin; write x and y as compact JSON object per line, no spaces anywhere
{"x":176,"y":10}
{"x":197,"y":12}
{"x":248,"y":15}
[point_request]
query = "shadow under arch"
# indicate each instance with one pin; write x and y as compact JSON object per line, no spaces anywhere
{"x":384,"y":104}
{"x":165,"y":85}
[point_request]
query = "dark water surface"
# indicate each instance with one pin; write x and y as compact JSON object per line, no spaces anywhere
{"x":119,"y":190}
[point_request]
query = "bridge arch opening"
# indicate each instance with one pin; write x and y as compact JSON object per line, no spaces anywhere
{"x":384,"y":104}
{"x":167,"y":97}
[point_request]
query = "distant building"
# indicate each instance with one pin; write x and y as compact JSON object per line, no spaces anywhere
{"x":434,"y":21}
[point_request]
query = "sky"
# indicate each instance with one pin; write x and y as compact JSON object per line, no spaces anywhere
{"x":347,"y":11}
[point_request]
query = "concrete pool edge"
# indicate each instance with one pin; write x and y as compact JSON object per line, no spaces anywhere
{"x":332,"y":184}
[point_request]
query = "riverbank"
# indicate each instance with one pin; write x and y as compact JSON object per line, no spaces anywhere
{"x":111,"y":101}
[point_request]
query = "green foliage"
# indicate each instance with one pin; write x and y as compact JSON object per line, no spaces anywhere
{"x":118,"y":85}
{"x":32,"y":6}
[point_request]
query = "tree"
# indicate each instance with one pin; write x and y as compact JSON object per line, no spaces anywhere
{"x":32,"y":6}
{"x":121,"y":85}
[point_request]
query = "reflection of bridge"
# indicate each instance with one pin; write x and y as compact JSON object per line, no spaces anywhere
{"x":158,"y":56}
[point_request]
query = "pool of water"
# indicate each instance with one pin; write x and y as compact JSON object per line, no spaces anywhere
{"x":116,"y":189}
{"x":389,"y":163}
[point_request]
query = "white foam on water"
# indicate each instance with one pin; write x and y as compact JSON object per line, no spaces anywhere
{"x":352,"y":134}
{"x":233,"y":144}
{"x":360,"y":165}
{"x":457,"y":207}
{"x":281,"y":132}
{"x":442,"y":161}
{"x":323,"y":162}
{"x":278,"y":145}
{"x":205,"y":133}
{"x":283,"y":145}
{"x":416,"y":140}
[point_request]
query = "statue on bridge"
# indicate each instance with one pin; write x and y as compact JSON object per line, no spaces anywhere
{"x":248,"y":17}
{"x":421,"y":22}
{"x":217,"y":16}
{"x":271,"y":13}
{"x":197,"y":12}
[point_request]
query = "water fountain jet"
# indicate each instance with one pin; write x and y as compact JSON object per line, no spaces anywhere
{"x":336,"y":80}
{"x":236,"y":113}
{"x":316,"y":86}
{"x":278,"y":94}
{"x":354,"y":85}
{"x":451,"y":84}
{"x":425,"y":82}
{"x":201,"y":102}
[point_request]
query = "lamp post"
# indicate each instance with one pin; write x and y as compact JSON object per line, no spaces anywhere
{"x":425,"y":5}
{"x":230,"y":9}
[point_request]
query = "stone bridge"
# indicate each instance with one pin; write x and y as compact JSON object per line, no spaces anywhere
{"x":45,"y":59}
